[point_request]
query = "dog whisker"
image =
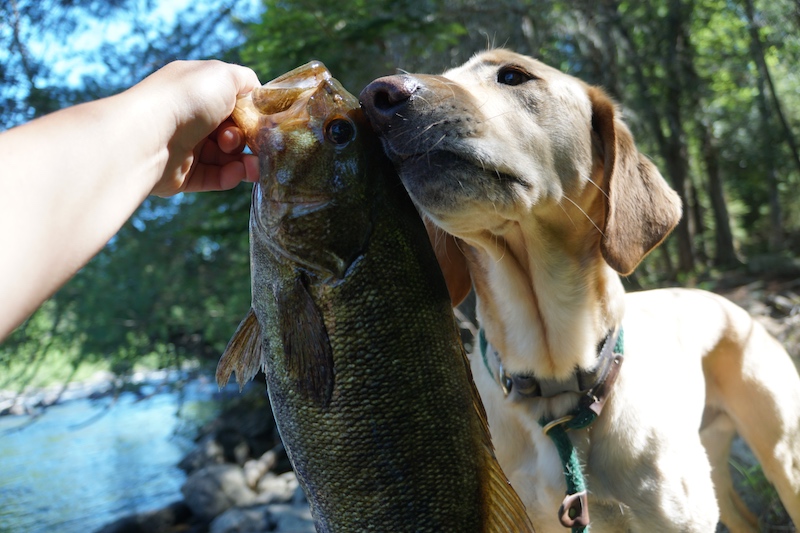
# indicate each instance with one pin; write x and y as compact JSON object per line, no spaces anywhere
{"x":570,"y":200}
{"x":599,"y":188}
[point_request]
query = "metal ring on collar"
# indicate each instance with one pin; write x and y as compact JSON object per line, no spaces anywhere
{"x":557,"y":422}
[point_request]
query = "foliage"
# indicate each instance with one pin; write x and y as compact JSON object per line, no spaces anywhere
{"x":356,"y":40}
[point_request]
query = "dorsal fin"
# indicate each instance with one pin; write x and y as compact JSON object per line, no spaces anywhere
{"x":243,"y":354}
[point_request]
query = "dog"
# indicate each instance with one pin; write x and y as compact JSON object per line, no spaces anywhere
{"x":537,"y":198}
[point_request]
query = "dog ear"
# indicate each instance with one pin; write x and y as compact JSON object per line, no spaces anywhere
{"x":641,"y":208}
{"x":452,"y":261}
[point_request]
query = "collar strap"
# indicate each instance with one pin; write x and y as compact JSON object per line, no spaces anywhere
{"x":595,"y":382}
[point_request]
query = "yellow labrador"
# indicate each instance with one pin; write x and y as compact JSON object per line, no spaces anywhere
{"x":544,"y":200}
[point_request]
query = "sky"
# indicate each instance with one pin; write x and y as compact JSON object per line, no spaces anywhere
{"x":69,"y":59}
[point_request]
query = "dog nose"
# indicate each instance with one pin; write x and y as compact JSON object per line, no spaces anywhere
{"x":384,"y":98}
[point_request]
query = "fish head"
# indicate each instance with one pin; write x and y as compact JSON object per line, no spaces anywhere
{"x":311,"y":204}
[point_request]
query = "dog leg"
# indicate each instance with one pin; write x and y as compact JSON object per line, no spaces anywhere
{"x":757,"y":384}
{"x":717,"y":433}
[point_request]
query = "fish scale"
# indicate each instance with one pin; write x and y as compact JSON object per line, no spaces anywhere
{"x":351,"y":323}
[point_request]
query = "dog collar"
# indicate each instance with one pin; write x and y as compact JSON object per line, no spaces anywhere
{"x":595,"y":382}
{"x":594,"y":386}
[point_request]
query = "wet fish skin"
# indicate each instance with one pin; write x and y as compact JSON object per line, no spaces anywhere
{"x":352,"y":325}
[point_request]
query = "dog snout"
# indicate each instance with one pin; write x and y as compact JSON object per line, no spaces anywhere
{"x":384,"y":99}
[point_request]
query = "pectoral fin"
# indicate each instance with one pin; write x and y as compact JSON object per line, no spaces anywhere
{"x":307,"y":349}
{"x":243,"y":355}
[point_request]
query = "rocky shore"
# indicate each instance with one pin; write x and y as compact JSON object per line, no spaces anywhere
{"x":238,"y":480}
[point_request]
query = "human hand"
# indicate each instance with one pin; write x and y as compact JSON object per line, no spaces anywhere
{"x":204,"y":146}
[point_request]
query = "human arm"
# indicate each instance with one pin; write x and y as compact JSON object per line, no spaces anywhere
{"x":70,"y":180}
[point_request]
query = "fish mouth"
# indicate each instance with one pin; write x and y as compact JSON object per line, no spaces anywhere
{"x":288,"y":97}
{"x":290,"y":90}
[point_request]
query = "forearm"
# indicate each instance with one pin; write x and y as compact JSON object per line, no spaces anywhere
{"x":70,"y":180}
{"x":93,"y":166}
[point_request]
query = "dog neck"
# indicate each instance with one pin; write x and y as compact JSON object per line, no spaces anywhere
{"x":544,"y":302}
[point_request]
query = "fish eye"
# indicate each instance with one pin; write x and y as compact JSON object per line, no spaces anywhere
{"x":340,"y":131}
{"x":513,"y":76}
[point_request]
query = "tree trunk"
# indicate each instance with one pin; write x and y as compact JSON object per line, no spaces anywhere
{"x":770,"y":156}
{"x":699,"y":225}
{"x":677,"y":155}
{"x":725,"y":251}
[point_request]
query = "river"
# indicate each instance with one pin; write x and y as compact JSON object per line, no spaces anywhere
{"x":79,"y":467}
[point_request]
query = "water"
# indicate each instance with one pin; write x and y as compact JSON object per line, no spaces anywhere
{"x":64,"y":474}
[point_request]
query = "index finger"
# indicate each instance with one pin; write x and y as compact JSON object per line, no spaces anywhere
{"x":245,"y":79}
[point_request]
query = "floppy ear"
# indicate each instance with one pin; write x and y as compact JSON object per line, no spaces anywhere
{"x":451,"y":260}
{"x":641,"y":208}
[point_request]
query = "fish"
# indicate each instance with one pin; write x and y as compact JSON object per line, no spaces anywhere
{"x":352,"y":325}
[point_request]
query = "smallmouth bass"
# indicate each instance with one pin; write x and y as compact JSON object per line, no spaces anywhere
{"x":352,"y":325}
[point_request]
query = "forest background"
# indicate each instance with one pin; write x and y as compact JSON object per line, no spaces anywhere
{"x":710,"y":89}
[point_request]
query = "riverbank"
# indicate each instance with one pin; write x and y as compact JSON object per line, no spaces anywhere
{"x":33,"y":400}
{"x":238,"y":479}
{"x":79,"y":464}
{"x":229,"y":474}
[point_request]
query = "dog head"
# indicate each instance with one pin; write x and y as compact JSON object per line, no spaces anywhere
{"x":505,"y":139}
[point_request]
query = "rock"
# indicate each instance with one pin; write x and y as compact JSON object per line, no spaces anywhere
{"x":13,"y":408}
{"x":277,"y":489}
{"x":784,"y":305}
{"x":161,"y":521}
{"x":235,"y":446}
{"x":292,"y":519}
{"x":255,"y":469}
{"x":214,"y":489}
{"x":280,"y":518}
{"x":253,"y":472}
{"x":254,"y":519}
{"x":207,"y":452}
{"x":249,"y":419}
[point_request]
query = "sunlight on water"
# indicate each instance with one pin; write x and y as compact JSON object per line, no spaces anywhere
{"x":60,"y":474}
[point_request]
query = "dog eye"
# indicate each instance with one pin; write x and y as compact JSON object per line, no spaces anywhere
{"x":340,"y":131}
{"x":513,"y":76}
